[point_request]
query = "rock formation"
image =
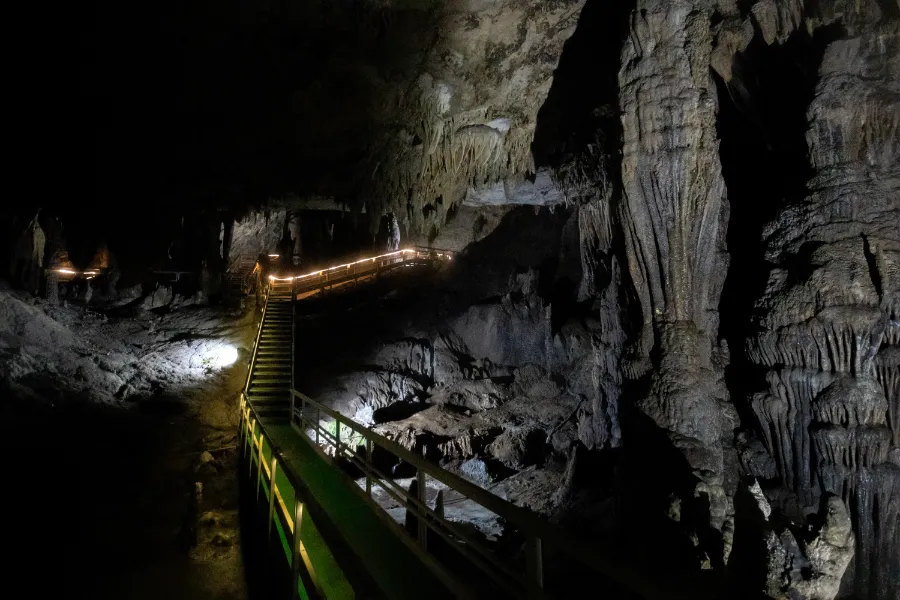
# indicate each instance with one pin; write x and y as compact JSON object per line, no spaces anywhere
{"x":702,"y":289}
{"x":828,"y":318}
{"x":653,"y":216}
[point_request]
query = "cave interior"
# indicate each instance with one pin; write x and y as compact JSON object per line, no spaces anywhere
{"x":670,"y":325}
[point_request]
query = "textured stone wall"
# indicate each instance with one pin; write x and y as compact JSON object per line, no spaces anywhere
{"x":828,"y":319}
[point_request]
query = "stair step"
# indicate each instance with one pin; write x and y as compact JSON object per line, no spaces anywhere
{"x":271,"y":400}
{"x":268,"y":388}
{"x":273,"y":411}
{"x":279,"y":395}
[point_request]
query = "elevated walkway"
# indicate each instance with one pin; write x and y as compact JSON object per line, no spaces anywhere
{"x":311,"y":478}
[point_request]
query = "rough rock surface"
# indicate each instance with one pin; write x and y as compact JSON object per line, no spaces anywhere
{"x":257,"y":233}
{"x":828,"y":317}
{"x":52,"y":354}
{"x":651,"y":218}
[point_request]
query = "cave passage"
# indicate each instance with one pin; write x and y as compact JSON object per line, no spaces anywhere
{"x":762,"y":125}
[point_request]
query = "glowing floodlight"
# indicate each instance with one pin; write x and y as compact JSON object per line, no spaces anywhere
{"x":222,"y":356}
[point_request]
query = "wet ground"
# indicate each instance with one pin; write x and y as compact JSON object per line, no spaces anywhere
{"x":108,"y":493}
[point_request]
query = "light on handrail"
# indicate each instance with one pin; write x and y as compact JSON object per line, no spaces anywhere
{"x":344,"y":266}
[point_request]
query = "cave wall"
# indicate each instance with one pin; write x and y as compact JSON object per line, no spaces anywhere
{"x":807,"y":359}
{"x":467,"y":116}
{"x":827,"y":321}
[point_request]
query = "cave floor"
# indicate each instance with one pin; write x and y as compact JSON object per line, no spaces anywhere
{"x":111,"y":483}
{"x":127,"y":479}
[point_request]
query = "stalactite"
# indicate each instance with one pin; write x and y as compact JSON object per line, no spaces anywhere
{"x":887,"y":373}
{"x":826,"y":315}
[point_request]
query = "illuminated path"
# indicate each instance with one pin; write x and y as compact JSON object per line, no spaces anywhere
{"x":317,"y":532}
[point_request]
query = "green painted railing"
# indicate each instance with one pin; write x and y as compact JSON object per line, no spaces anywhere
{"x":337,"y":542}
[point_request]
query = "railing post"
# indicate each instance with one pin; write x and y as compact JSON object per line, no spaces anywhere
{"x":251,"y":431}
{"x":316,"y":426}
{"x":423,"y":527}
{"x":534,"y":565}
{"x":296,"y":560}
{"x":259,"y":467}
{"x":337,"y":446}
{"x":241,"y":421}
{"x":271,"y":496}
{"x":368,"y":464}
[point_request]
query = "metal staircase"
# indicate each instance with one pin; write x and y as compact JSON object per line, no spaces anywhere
{"x":239,"y":278}
{"x":324,"y":513}
{"x":268,"y":386}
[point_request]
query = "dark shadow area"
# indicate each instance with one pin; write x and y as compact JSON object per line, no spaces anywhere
{"x":762,"y":126}
{"x":652,"y":478}
{"x":583,"y":99}
{"x":398,"y":411}
{"x":107,"y":490}
{"x":747,"y":564}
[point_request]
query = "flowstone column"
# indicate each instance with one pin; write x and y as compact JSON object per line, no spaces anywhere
{"x":674,"y":214}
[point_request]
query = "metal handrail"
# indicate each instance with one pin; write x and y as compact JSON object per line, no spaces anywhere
{"x":418,"y":251}
{"x":536,"y":530}
{"x":256,"y":342}
{"x":430,"y":249}
{"x":459,"y":590}
{"x":293,"y":336}
{"x":507,"y":578}
{"x":427,"y":518}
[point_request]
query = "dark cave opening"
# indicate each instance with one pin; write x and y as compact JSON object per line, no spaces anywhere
{"x":583,"y":99}
{"x":761,"y":125}
{"x":579,"y":135}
